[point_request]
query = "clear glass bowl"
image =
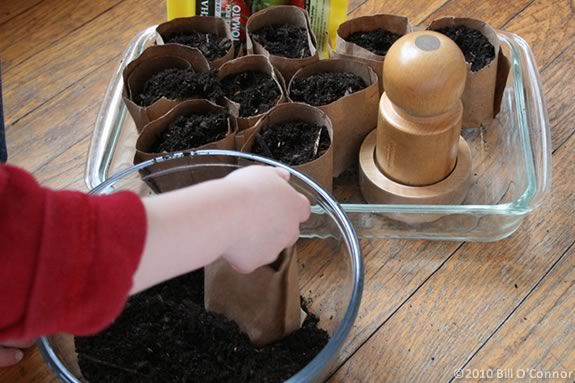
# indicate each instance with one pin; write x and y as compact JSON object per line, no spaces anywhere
{"x":511,"y":161}
{"x":331,"y":268}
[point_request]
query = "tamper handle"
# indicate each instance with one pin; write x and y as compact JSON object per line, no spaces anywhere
{"x":424,"y":73}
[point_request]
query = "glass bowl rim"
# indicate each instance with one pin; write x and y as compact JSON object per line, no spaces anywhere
{"x":322,"y":360}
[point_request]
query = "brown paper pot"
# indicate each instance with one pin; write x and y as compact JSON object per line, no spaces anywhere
{"x":258,"y":63}
{"x":320,"y":169}
{"x":281,"y":15}
{"x":352,"y":116}
{"x":484,"y":88}
{"x":153,"y":60}
{"x":265,"y":303}
{"x":171,"y":181}
{"x":204,"y":24}
{"x":345,"y":49}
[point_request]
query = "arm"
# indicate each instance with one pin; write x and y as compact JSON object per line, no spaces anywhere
{"x":247,"y":217}
{"x":68,"y":258}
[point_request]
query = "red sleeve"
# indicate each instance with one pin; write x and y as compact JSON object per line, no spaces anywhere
{"x":66,"y":258}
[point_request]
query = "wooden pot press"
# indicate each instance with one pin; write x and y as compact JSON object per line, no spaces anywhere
{"x":416,"y":155}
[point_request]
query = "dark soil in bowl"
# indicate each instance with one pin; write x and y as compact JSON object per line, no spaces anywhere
{"x":283,"y":40}
{"x":192,"y":131}
{"x":165,"y":335}
{"x":211,"y":45}
{"x":256,"y":92}
{"x":325,"y":88}
{"x":478,"y":51}
{"x":377,"y":41}
{"x":180,"y":84}
{"x":293,"y":142}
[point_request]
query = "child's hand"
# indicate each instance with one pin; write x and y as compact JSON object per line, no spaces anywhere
{"x":247,"y":217}
{"x":11,"y":353}
{"x":269,"y":216}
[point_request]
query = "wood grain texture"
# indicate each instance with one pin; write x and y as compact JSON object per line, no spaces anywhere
{"x":415,"y":10}
{"x":463,"y":303}
{"x":546,"y":318}
{"x":10,"y":9}
{"x":73,"y":57}
{"x":428,"y":307}
{"x":59,"y":123}
{"x":548,"y":27}
{"x":558,"y":83}
{"x":482,"y":9}
{"x":25,"y":35}
{"x":354,"y":4}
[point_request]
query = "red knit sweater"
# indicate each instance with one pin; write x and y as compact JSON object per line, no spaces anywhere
{"x":66,"y":258}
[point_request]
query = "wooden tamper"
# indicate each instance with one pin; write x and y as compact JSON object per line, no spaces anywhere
{"x":416,"y":155}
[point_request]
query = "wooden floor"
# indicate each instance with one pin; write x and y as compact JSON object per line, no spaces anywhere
{"x":429,"y":308}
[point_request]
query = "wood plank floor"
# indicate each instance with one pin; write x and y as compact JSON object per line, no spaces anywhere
{"x":429,"y":308}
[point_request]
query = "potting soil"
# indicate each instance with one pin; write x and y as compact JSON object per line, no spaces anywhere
{"x":283,"y":40}
{"x":256,"y":92}
{"x":180,"y":84}
{"x":325,"y":88}
{"x":211,"y":45}
{"x":293,"y":143}
{"x":478,"y":51}
{"x":165,"y":335}
{"x":377,"y":41}
{"x":192,"y":131}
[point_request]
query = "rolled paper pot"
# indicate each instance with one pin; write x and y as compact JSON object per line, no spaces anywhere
{"x":345,"y":49}
{"x":153,"y":60}
{"x":319,"y":169}
{"x":264,"y":303}
{"x":158,"y":176}
{"x":275,"y":16}
{"x":352,"y":116}
{"x":484,"y":88}
{"x":258,"y":63}
{"x":203,"y":24}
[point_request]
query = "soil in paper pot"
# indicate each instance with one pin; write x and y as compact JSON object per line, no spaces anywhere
{"x":192,"y":131}
{"x":377,"y":41}
{"x":284,"y":40}
{"x":293,"y":142}
{"x":178,"y":84}
{"x":211,"y":45}
{"x":325,"y":88}
{"x":256,"y":92}
{"x":477,"y":49}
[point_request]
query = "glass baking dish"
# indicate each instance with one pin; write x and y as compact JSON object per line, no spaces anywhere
{"x":511,"y":162}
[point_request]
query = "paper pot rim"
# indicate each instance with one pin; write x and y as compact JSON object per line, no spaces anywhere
{"x":476,"y":24}
{"x":149,"y":133}
{"x":373,"y":77}
{"x":253,"y":61}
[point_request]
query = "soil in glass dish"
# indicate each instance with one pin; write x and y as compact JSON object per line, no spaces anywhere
{"x":211,"y":45}
{"x":293,"y":142}
{"x":377,"y":41}
{"x":284,"y":40}
{"x":256,"y":92}
{"x":477,"y":49}
{"x":193,"y":130}
{"x":325,"y":88}
{"x":165,"y":335}
{"x":180,"y":84}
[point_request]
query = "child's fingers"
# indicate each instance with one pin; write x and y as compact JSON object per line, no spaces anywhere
{"x":283,"y":173}
{"x":18,"y":343}
{"x":305,"y":208}
{"x":10,"y":356}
